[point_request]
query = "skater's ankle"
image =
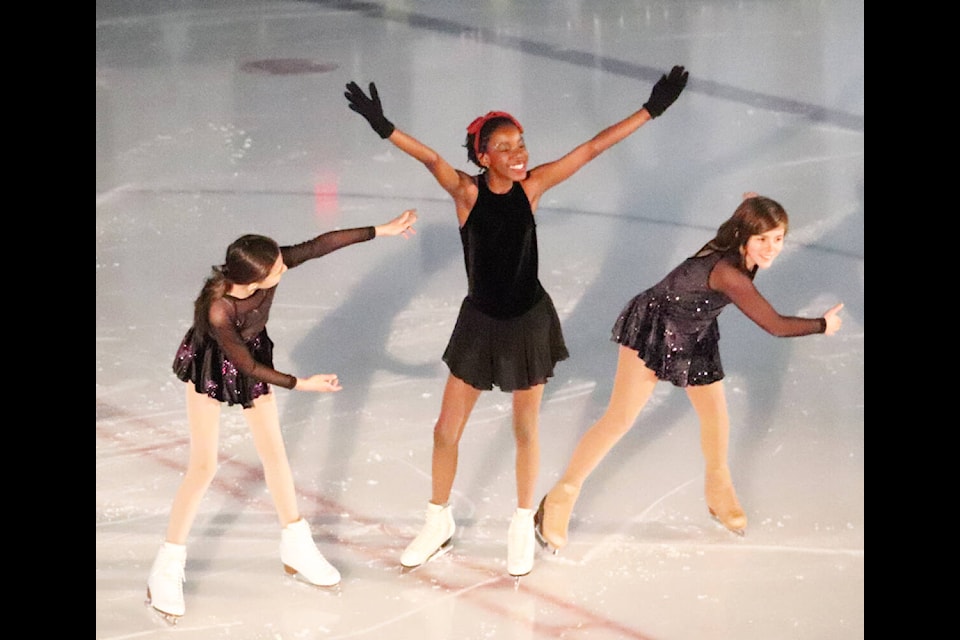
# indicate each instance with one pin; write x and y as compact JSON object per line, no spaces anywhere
{"x":565,"y":489}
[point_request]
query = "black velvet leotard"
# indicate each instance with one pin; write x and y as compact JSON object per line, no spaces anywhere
{"x":508,"y":333}
{"x":234,"y":363}
{"x":673,"y":324}
{"x":500,"y":253}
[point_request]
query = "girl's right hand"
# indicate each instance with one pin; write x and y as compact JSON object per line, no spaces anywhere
{"x":369,"y":107}
{"x":321,"y":382}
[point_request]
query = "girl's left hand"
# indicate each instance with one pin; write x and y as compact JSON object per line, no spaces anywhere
{"x":401,"y":225}
{"x":833,"y":320}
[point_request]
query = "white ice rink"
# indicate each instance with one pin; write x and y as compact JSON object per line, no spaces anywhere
{"x":217,"y":118}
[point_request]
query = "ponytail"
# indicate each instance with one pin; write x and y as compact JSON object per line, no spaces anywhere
{"x":213,"y":289}
{"x":249,"y":259}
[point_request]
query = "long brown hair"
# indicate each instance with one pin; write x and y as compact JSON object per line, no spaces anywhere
{"x":249,"y":259}
{"x":754,"y":216}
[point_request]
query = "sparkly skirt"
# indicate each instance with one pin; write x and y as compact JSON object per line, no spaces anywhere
{"x":511,"y":353}
{"x":683,"y":358}
{"x":206,"y":366}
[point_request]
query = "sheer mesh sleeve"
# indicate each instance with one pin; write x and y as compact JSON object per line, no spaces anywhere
{"x":738,"y":286}
{"x":325,"y":243}
{"x":231,"y":342}
{"x":226,"y":320}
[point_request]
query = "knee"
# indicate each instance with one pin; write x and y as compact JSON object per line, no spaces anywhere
{"x":202,"y":471}
{"x":526,"y":434}
{"x":445,"y":435}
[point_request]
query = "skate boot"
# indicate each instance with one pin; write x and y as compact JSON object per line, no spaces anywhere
{"x":165,"y":584}
{"x":722,"y":502}
{"x":299,"y":554}
{"x":521,"y":543}
{"x":434,"y":539}
{"x":553,"y":516}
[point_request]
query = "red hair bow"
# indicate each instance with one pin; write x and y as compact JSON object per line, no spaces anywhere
{"x":475,"y":126}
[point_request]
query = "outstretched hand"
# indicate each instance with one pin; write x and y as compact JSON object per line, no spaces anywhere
{"x":369,"y":107}
{"x":321,"y":382}
{"x":833,"y":320}
{"x":666,"y":91}
{"x":401,"y":225}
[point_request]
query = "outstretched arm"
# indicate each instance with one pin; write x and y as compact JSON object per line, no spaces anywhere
{"x":371,"y":109}
{"x":664,"y":93}
{"x":329,"y":242}
{"x":733,"y":283}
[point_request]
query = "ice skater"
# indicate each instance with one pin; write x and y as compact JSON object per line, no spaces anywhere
{"x":226,"y":356}
{"x":670,"y":332}
{"x":507,"y":333}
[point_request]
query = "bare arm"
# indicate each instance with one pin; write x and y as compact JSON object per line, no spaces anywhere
{"x":553,"y":173}
{"x":458,"y":184}
{"x":447,"y":177}
{"x":665,"y":92}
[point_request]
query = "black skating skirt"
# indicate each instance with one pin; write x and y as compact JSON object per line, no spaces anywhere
{"x":675,"y":355}
{"x":512,"y":353}
{"x":206,"y":366}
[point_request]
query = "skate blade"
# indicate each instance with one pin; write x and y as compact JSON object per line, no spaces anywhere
{"x":739,"y":532}
{"x":441,"y":551}
{"x":538,"y":529}
{"x":168,"y":618}
{"x":299,"y":577}
{"x":543,"y":542}
{"x":516,"y":577}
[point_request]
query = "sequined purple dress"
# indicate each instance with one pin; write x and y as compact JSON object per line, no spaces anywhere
{"x":673,"y":324}
{"x":235,"y":363}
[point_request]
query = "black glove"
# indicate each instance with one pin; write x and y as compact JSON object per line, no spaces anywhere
{"x":666,"y":91}
{"x":370,"y":108}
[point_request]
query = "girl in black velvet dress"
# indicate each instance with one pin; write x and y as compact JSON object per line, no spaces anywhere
{"x":670,"y":332}
{"x":507,"y":333}
{"x":227,"y":357}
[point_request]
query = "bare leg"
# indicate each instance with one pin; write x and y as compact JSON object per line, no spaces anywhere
{"x":436,"y":536}
{"x":459,"y":399}
{"x":264,"y":422}
{"x":710,"y":403}
{"x":203,"y":415}
{"x":632,"y":387}
{"x":526,"y":419}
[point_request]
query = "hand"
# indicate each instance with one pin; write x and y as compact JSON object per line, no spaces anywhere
{"x":370,"y":108}
{"x":750,"y":194}
{"x":833,"y":320}
{"x":322,"y":382}
{"x":666,"y":91}
{"x":401,"y":225}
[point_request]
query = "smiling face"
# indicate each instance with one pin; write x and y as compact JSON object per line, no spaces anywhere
{"x":762,"y":249}
{"x":506,"y":153}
